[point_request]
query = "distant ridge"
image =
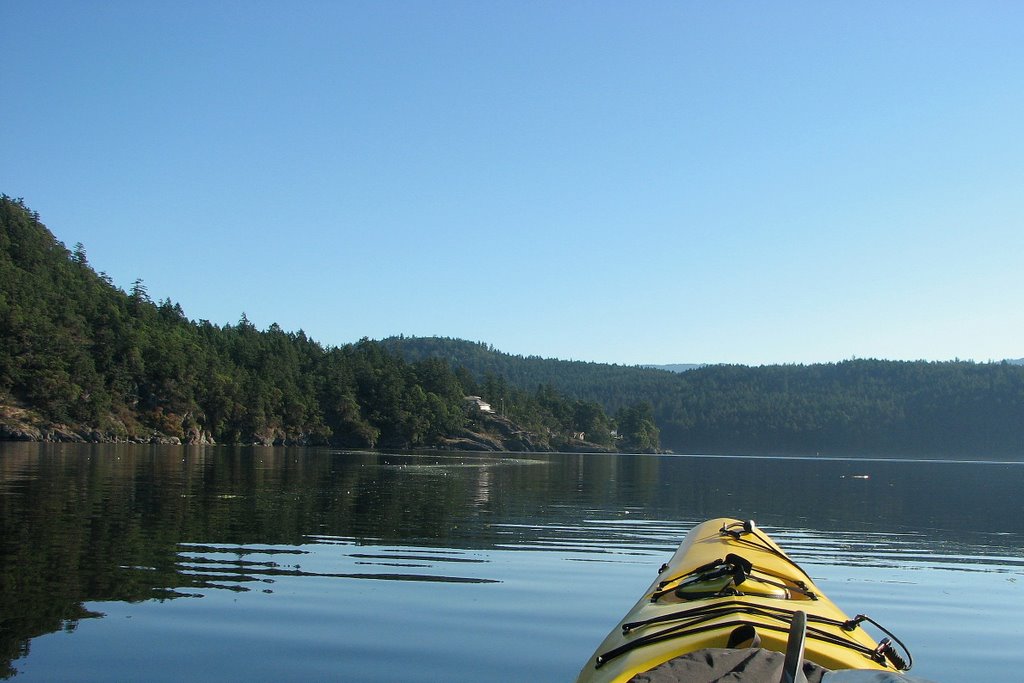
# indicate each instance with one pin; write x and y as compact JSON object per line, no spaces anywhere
{"x":612,"y":386}
{"x":679,"y":367}
{"x":852,"y":408}
{"x":1018,"y":361}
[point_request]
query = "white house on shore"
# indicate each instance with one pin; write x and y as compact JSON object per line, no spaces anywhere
{"x":480,"y":404}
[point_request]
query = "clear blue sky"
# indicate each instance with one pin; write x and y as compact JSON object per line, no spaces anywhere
{"x":630,"y":182}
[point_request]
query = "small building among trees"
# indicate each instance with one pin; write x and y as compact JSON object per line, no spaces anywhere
{"x":480,"y":404}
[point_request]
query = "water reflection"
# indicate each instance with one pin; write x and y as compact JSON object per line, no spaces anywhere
{"x":236,"y":567}
{"x":86,"y":524}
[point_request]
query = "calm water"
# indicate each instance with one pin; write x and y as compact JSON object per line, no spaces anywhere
{"x":165,"y":563}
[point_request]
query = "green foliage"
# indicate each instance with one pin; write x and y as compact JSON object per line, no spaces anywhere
{"x":611,"y":386}
{"x":637,"y":429}
{"x":853,"y":407}
{"x":81,"y":351}
{"x":856,"y":407}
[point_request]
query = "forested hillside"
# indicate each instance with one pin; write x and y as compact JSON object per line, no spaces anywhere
{"x":856,"y":407}
{"x":853,"y":407}
{"x":613,"y":386}
{"x":82,"y":359}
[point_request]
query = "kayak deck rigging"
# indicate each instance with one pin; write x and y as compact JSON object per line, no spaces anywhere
{"x":728,"y":586}
{"x":730,"y":573}
{"x":694,"y":623}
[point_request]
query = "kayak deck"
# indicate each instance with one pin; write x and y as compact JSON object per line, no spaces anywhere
{"x":730,"y":586}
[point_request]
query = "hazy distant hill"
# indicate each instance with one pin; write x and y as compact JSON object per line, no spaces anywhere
{"x":1018,"y":361}
{"x":676,"y":367}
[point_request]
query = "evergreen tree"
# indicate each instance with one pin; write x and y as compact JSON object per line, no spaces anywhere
{"x":637,"y":428}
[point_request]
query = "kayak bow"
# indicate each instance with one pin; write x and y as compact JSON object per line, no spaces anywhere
{"x":730,"y":586}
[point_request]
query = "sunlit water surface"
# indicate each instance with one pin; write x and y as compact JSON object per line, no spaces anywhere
{"x":165,"y":563}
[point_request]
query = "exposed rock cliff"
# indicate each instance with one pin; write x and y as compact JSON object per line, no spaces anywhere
{"x":485,"y":432}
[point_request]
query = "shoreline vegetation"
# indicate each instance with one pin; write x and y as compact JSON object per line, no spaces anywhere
{"x":81,"y":360}
{"x":484,"y":432}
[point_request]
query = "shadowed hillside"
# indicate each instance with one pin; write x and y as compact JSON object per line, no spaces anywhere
{"x":856,"y":407}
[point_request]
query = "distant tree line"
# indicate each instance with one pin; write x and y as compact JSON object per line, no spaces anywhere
{"x":855,"y":407}
{"x":80,"y":351}
{"x":615,"y":387}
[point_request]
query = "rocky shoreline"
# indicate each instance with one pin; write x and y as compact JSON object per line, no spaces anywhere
{"x":487,"y":432}
{"x":18,"y":424}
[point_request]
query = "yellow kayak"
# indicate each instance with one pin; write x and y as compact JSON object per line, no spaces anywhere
{"x":730,"y":587}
